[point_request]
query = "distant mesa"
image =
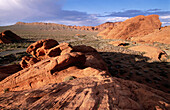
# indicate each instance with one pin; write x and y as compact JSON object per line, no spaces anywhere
{"x":137,"y":28}
{"x":9,"y":37}
{"x":86,"y":28}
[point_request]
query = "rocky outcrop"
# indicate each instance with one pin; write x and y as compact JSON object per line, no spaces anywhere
{"x":151,"y":52}
{"x":9,"y":37}
{"x":74,"y":77}
{"x":134,"y":27}
{"x":91,"y":92}
{"x":52,"y":64}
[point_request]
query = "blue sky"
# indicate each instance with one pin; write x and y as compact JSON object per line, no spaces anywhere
{"x":80,"y":12}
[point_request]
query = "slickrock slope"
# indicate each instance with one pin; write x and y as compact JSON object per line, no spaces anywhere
{"x":134,"y":27}
{"x":88,"y":93}
{"x":9,"y":37}
{"x":61,"y":76}
{"x":162,"y":36}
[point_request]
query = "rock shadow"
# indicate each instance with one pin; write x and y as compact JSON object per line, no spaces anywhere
{"x":137,"y":68}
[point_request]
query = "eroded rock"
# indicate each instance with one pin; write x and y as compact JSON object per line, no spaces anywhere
{"x":40,"y":48}
{"x":57,"y":62}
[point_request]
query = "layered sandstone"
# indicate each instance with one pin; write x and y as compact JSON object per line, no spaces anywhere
{"x":87,"y":93}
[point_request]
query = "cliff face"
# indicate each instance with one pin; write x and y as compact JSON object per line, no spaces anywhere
{"x":134,"y":27}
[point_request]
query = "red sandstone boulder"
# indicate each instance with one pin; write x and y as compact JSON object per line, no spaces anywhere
{"x":133,"y":27}
{"x":9,"y":37}
{"x":93,"y":58}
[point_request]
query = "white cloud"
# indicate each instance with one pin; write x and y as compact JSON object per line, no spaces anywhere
{"x":25,"y":10}
{"x":116,"y":19}
{"x":12,"y":11}
{"x":165,"y":17}
{"x":112,"y":19}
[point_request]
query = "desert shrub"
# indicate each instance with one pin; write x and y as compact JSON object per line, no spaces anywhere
{"x":69,"y":78}
{"x":6,"y":90}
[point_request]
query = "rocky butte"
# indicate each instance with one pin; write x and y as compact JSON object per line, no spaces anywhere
{"x":61,"y":76}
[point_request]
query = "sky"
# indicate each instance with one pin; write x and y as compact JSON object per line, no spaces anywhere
{"x":80,"y":12}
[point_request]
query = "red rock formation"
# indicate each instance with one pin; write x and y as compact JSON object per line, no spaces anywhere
{"x":133,"y":27}
{"x":9,"y":37}
{"x":40,"y":48}
{"x":42,"y":86}
{"x":57,"y":62}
